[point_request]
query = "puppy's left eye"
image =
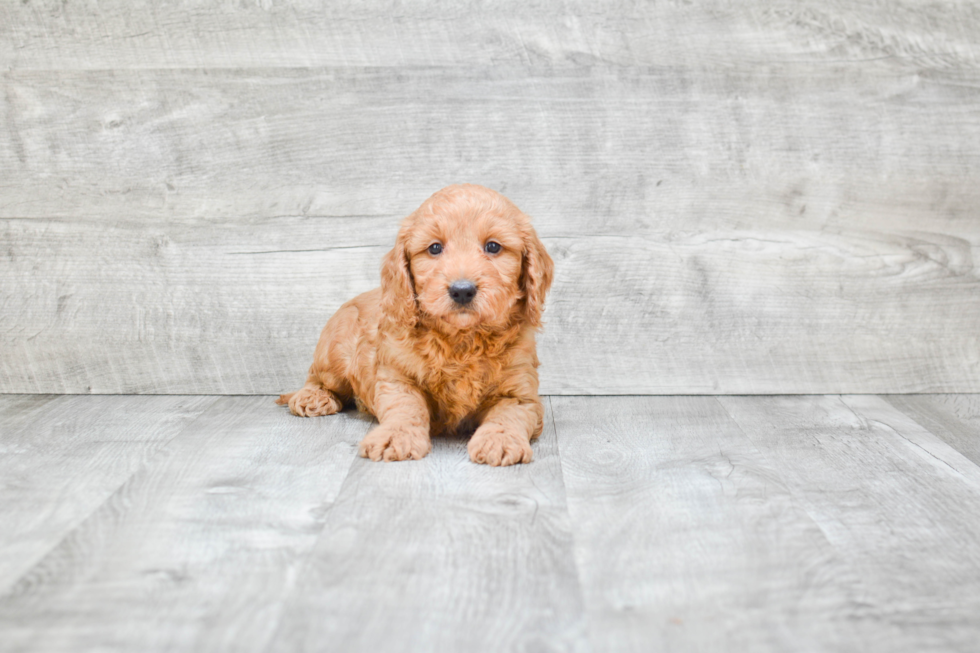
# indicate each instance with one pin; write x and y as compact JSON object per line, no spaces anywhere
{"x":492,"y":247}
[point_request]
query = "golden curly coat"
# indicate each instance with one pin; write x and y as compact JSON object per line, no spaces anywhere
{"x":447,"y":343}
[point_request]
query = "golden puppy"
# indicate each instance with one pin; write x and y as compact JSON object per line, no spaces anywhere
{"x":447,"y":343}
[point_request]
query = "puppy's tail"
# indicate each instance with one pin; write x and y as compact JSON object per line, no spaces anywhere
{"x":284,"y":399}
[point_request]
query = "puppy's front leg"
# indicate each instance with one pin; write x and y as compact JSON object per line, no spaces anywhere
{"x":504,"y":437}
{"x":403,"y":431}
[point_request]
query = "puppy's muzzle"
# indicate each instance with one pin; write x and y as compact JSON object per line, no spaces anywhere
{"x":462,"y":292}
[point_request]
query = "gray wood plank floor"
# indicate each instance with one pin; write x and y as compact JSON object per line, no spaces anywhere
{"x":768,"y":523}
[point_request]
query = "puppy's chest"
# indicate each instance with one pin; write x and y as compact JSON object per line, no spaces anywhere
{"x":461,"y":382}
{"x":456,"y":389}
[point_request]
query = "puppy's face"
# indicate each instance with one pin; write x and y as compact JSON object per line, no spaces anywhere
{"x":466,"y":264}
{"x":467,"y":257}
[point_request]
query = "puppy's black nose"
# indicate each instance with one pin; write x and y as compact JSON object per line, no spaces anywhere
{"x":462,"y":292}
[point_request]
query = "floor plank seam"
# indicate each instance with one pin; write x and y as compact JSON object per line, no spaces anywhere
{"x":10,"y":590}
{"x":799,"y":501}
{"x":307,"y":557}
{"x":579,"y":580}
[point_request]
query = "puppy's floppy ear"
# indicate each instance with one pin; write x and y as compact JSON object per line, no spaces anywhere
{"x":536,"y":275}
{"x":397,"y":286}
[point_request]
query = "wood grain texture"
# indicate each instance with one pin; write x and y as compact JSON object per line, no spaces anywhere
{"x":687,"y":538}
{"x":598,"y":149}
{"x":198,"y":550}
{"x":772,"y":197}
{"x":17,"y":411}
{"x":179,"y":308}
{"x":442,"y":555}
{"x":954,"y":418}
{"x":61,"y":458}
{"x":644,"y":523}
{"x":193,"y":307}
{"x":896,"y":502}
{"x":815,"y":286}
{"x":193,"y":34}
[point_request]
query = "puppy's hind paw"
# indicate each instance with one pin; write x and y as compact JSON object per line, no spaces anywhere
{"x":495,"y":446}
{"x":312,"y":402}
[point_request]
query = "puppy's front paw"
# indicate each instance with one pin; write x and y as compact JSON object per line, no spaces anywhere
{"x":395,"y":443}
{"x":492,"y":445}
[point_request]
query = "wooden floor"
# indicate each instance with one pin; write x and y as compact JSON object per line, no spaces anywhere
{"x":786,"y":523}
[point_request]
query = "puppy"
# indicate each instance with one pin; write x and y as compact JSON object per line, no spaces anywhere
{"x":447,"y":343}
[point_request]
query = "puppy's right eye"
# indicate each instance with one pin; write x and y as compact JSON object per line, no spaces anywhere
{"x":435,"y":249}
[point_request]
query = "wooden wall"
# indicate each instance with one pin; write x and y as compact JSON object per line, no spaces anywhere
{"x":741,"y":197}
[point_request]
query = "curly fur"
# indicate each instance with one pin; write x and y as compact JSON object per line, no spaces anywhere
{"x":423,"y":364}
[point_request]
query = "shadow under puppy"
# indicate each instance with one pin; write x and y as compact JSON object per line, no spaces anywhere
{"x":447,"y":343}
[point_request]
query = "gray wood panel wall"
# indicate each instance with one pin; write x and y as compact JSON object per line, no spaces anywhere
{"x":759,"y":197}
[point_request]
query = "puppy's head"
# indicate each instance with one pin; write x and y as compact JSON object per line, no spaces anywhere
{"x":466,"y":258}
